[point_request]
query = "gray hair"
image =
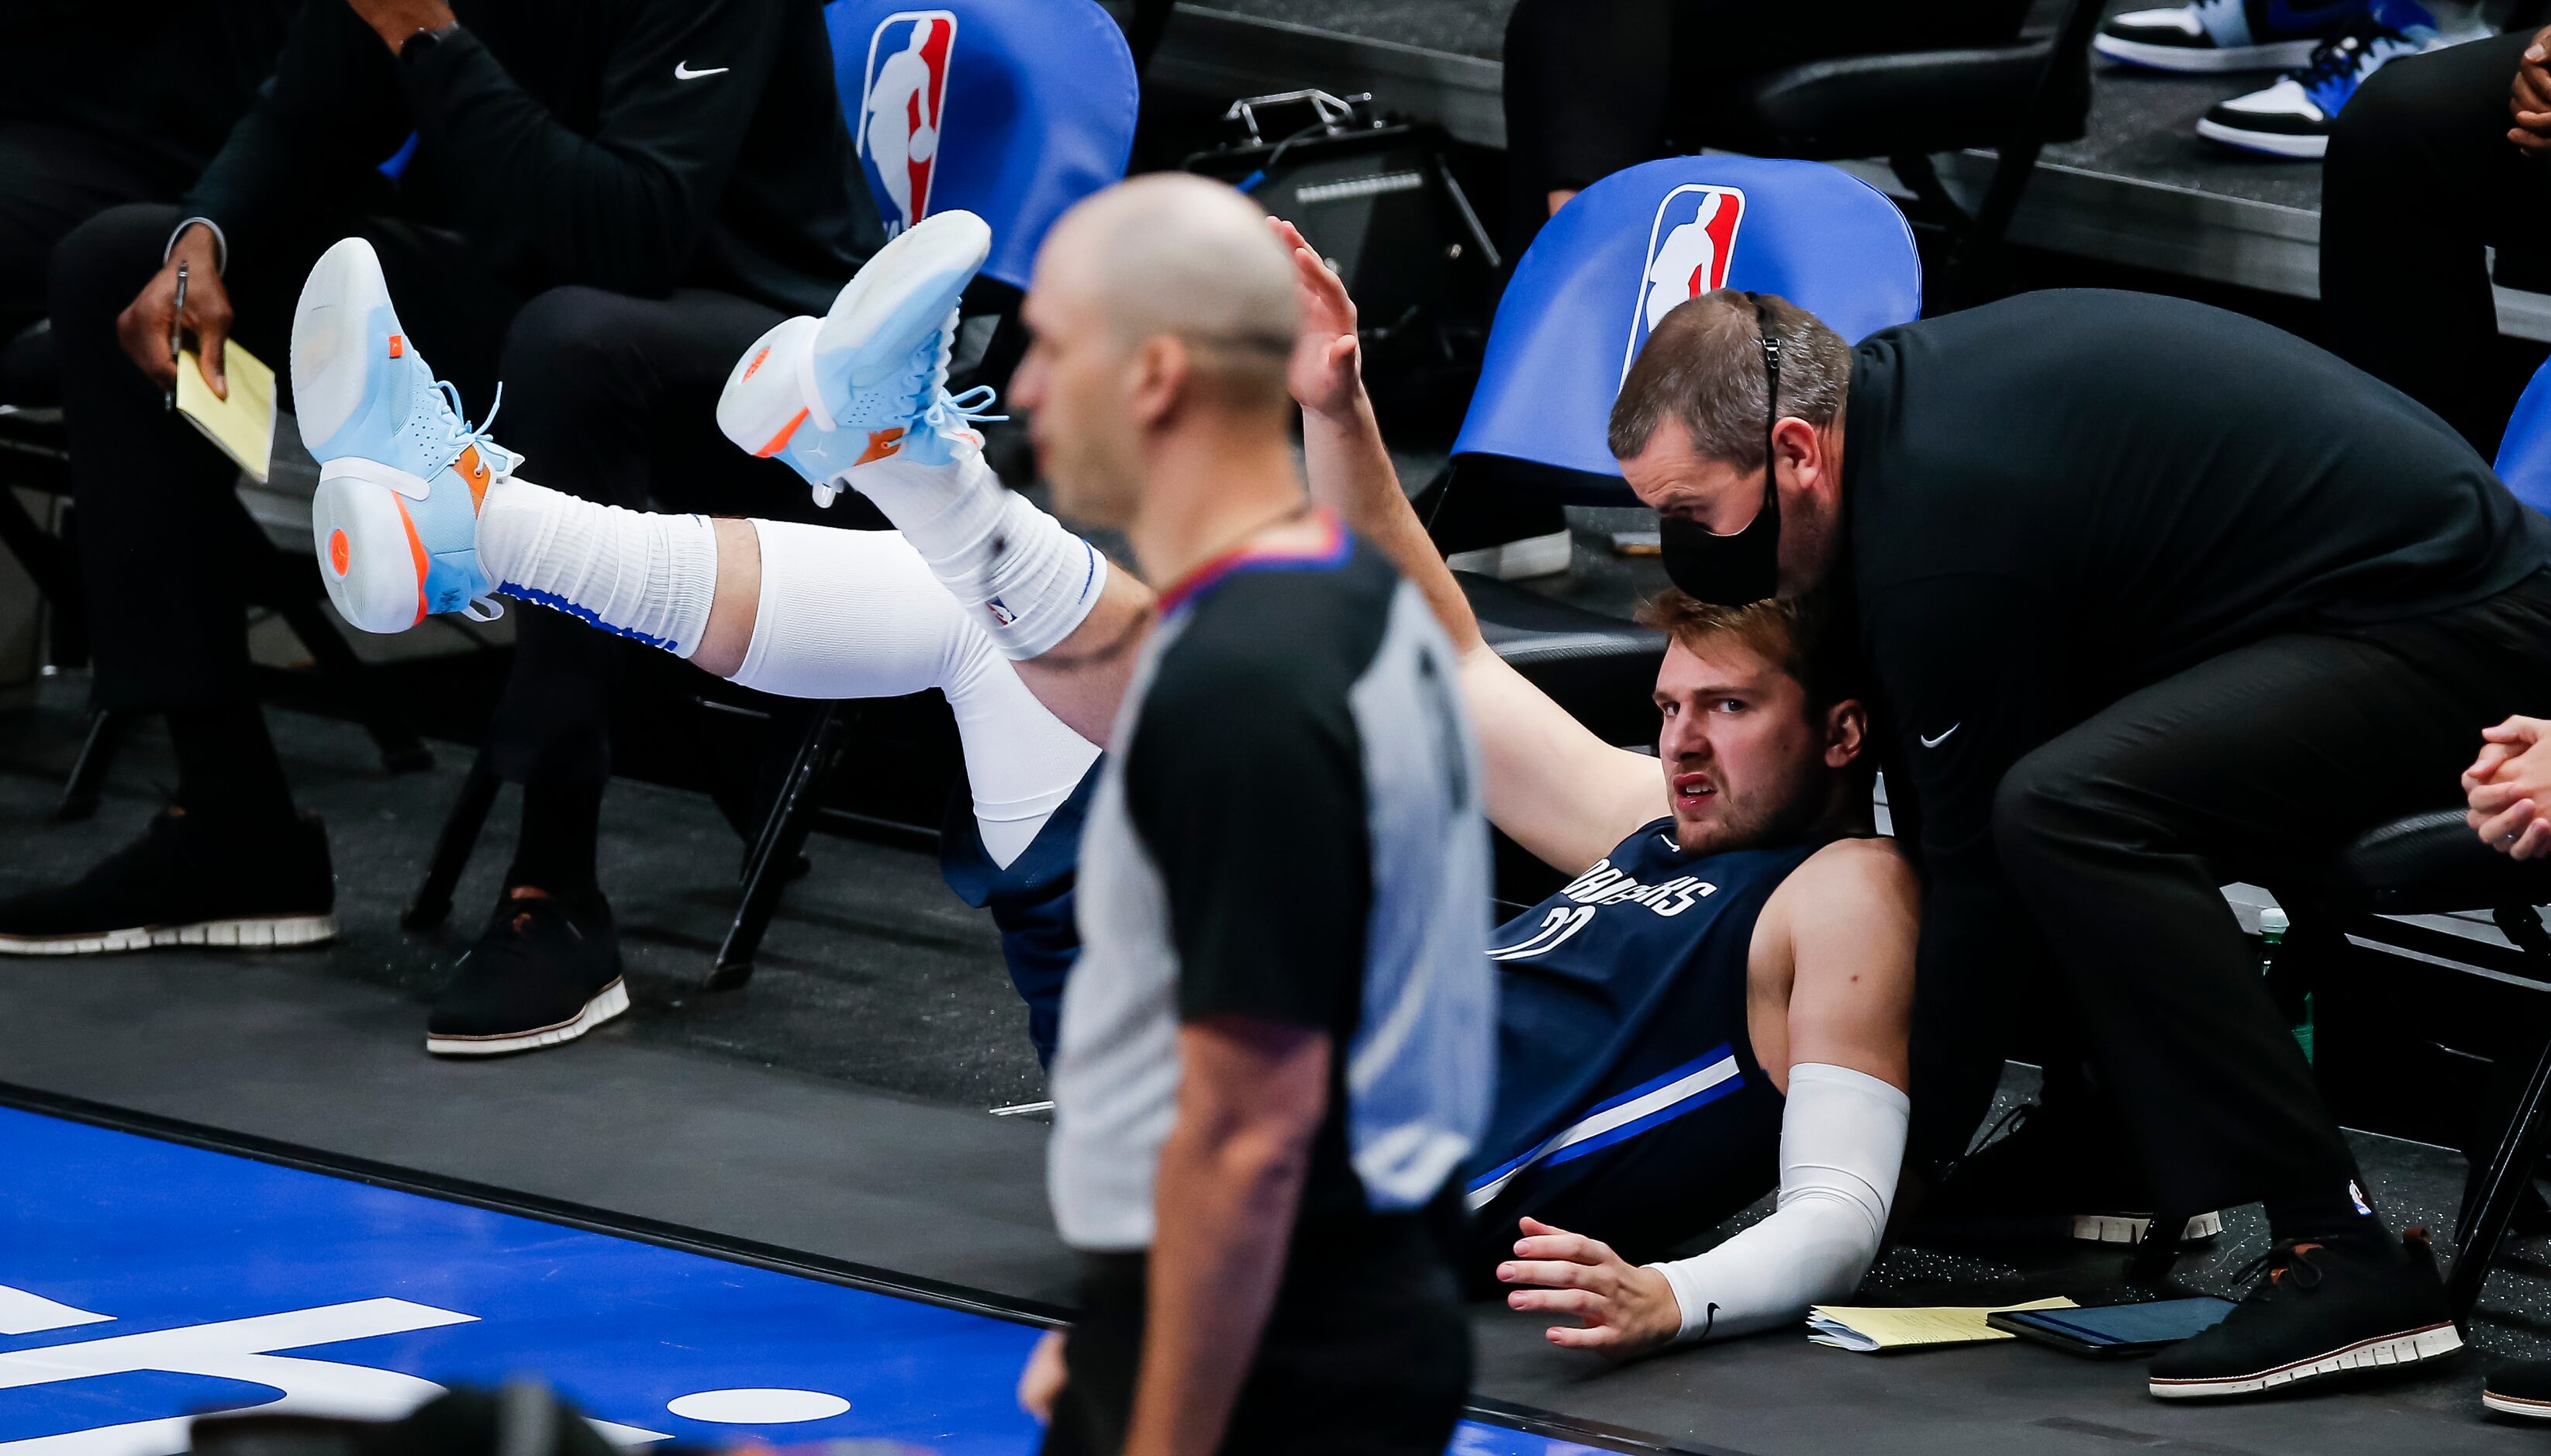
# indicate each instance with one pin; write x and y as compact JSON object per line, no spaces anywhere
{"x":1704,"y":365}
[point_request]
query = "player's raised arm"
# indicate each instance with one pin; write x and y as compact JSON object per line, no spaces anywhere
{"x":1560,"y":790}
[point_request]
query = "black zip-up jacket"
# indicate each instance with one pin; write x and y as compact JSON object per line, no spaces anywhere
{"x":630,"y":145}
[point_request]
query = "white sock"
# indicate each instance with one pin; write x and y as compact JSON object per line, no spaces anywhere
{"x":643,"y":575}
{"x":1029,"y":581}
{"x":848,"y":615}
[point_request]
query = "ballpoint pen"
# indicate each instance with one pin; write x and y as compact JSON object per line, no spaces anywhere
{"x":176,"y":322}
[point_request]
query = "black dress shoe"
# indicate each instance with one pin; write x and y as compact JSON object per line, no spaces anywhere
{"x":2522,"y":1388}
{"x":2047,"y":1177}
{"x":185,"y":883}
{"x":2319,"y":1310}
{"x":546,"y":971}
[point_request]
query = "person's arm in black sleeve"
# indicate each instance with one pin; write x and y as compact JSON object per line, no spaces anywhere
{"x":1246,"y":788}
{"x":625,"y":208}
{"x":1965,"y":664}
{"x":330,"y":112}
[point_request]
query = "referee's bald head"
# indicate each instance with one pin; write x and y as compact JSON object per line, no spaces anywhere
{"x":1178,"y":256}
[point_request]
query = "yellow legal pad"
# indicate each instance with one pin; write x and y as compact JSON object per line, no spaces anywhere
{"x":241,"y":425}
{"x":1876,"y":1331}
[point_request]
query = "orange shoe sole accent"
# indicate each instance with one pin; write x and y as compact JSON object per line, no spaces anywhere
{"x":779,"y":441}
{"x":415,"y":549}
{"x":341,"y":552}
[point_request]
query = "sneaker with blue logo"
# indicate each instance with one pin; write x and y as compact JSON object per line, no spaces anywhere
{"x":2225,"y":35}
{"x":867,"y":382}
{"x":2293,"y":117}
{"x":401,"y":476}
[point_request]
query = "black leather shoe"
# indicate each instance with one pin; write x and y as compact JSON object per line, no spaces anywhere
{"x":2522,"y":1388}
{"x":2047,"y":1177}
{"x":546,"y":971}
{"x":2319,"y":1310}
{"x":184,"y":882}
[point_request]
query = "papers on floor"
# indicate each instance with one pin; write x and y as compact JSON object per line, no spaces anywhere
{"x":1875,"y":1331}
{"x":241,"y":425}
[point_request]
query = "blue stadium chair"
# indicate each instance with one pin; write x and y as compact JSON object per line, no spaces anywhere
{"x":1625,"y":250}
{"x":2525,"y":452}
{"x":1012,"y":110}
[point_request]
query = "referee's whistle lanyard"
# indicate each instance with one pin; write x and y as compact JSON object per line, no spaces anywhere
{"x":1742,"y":566}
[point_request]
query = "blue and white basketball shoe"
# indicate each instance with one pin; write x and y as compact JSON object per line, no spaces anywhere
{"x":401,"y":477}
{"x":2225,"y":35}
{"x":868,"y":380}
{"x":2293,"y":117}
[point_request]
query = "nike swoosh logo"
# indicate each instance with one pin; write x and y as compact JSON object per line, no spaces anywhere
{"x":1943,"y":738}
{"x":682,"y":71}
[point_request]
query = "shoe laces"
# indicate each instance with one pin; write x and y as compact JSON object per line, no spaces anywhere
{"x":950,"y":413}
{"x":460,"y":436}
{"x":2369,"y":37}
{"x":2285,"y":1256}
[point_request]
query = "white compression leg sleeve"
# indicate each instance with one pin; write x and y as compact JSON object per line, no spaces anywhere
{"x":1028,"y":580}
{"x":859,"y":614}
{"x":639,"y":575}
{"x":1842,"y":1144}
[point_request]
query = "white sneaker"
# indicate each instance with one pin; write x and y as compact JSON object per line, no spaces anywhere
{"x":871,"y":377}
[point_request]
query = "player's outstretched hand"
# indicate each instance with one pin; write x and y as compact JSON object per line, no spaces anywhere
{"x":1624,"y":1308}
{"x":1327,"y":371}
{"x":2509,"y":787}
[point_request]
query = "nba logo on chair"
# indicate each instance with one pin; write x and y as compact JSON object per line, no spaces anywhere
{"x":1690,"y":246}
{"x":902,"y":111}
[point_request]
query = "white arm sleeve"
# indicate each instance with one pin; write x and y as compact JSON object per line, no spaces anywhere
{"x":1842,"y":1143}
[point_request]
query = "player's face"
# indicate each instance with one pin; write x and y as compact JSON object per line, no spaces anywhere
{"x":1744,"y":761}
{"x":1073,"y":385}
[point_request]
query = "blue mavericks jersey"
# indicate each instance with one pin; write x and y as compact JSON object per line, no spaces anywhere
{"x":1031,"y":900}
{"x":1628,"y":1097}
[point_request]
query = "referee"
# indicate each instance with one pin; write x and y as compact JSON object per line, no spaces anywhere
{"x":2157,"y":597}
{"x":1279,"y":1038}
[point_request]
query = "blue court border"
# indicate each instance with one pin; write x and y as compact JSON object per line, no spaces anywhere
{"x":1524,"y":1420}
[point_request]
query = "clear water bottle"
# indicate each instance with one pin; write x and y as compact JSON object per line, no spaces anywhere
{"x":2273,"y":925}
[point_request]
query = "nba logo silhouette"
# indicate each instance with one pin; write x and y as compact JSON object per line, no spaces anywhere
{"x":1690,"y":244}
{"x":901,"y":111}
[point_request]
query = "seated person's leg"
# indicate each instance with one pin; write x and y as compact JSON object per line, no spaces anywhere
{"x":1586,"y":86}
{"x":160,"y":534}
{"x":2421,"y":178}
{"x":53,"y":179}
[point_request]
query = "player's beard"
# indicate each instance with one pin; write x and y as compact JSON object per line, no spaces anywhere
{"x":1771,"y":813}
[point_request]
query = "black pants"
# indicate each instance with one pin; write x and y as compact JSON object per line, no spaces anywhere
{"x":1365,"y":1354}
{"x":2420,"y":178}
{"x":53,"y":179}
{"x":1592,"y":86}
{"x":607,"y":396}
{"x":2251,"y":766}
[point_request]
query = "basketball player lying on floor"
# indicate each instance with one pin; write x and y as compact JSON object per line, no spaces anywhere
{"x":1715,"y":1005}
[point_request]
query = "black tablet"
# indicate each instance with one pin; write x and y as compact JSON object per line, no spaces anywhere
{"x":2113,"y":1330}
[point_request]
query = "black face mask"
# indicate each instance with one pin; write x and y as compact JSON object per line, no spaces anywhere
{"x":1743,"y":568}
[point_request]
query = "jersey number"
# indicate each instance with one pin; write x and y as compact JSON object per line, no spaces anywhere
{"x":1555,"y":929}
